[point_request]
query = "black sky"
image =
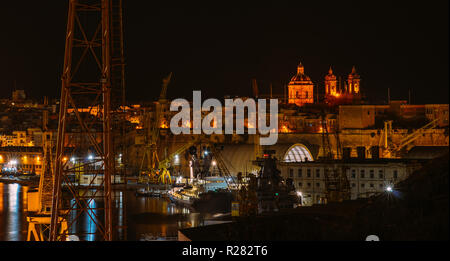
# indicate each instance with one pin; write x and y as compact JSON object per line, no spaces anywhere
{"x":219,"y":46}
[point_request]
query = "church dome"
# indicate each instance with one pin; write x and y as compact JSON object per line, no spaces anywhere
{"x":300,"y":77}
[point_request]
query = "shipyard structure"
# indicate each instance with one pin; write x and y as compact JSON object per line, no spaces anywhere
{"x":322,"y":133}
{"x":320,"y":137}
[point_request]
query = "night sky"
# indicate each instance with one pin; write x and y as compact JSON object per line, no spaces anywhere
{"x":219,"y":46}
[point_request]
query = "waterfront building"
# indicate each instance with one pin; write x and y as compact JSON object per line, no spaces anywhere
{"x":366,"y":177}
{"x":21,"y":160}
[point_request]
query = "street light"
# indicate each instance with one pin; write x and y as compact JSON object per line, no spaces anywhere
{"x":389,"y":189}
{"x":90,"y":157}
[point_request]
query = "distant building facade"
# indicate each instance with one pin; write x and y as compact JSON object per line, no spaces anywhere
{"x":366,"y":177}
{"x":21,"y":160}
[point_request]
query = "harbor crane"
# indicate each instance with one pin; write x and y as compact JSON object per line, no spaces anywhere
{"x":393,"y":150}
{"x":94,"y":44}
{"x":150,"y":161}
{"x":336,"y":181}
{"x":40,"y":199}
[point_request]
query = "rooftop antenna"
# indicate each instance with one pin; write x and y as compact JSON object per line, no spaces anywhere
{"x":409,"y":96}
{"x":389,"y":95}
{"x":255,"y":88}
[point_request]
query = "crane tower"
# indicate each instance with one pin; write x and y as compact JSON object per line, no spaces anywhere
{"x":84,"y":139}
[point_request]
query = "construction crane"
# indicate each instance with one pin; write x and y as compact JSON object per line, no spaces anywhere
{"x":223,"y":167}
{"x":148,"y":172}
{"x":40,"y":200}
{"x":336,"y":182}
{"x":91,"y":46}
{"x":392,"y":150}
{"x":163,"y":173}
{"x":164,"y":176}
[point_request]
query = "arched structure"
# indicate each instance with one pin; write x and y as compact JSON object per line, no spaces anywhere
{"x":298,"y":153}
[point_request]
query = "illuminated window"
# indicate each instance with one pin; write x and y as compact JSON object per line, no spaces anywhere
{"x":298,"y":153}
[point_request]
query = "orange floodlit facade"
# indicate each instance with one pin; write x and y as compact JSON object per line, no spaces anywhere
{"x":353,"y":82}
{"x":336,"y":93}
{"x":331,"y":88}
{"x":301,"y":88}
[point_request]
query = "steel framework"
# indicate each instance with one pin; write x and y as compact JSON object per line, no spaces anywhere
{"x":85,"y":125}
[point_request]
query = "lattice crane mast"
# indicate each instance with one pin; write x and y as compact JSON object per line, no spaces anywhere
{"x":336,"y":182}
{"x":92,"y":60}
{"x":40,"y":200}
{"x":149,"y":171}
{"x":392,"y":150}
{"x":222,"y":166}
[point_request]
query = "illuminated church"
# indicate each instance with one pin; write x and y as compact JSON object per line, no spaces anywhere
{"x":301,"y":88}
{"x":350,"y":89}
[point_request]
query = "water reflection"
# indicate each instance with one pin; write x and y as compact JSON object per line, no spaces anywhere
{"x":133,"y":216}
{"x":12,"y":205}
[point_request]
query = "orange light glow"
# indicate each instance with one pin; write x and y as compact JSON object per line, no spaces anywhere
{"x":285,"y":129}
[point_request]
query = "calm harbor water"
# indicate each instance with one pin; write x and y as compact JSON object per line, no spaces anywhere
{"x":140,"y":215}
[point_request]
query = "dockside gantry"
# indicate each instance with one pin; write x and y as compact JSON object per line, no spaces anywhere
{"x":93,"y":53}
